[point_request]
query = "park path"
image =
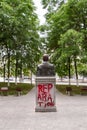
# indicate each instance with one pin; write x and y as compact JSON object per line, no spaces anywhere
{"x":18,"y":113}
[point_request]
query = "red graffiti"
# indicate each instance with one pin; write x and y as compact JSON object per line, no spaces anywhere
{"x":40,"y":103}
{"x":50,"y":104}
{"x":44,"y":95}
{"x":44,"y":87}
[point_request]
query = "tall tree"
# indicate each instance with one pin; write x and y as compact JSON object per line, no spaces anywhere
{"x":19,"y":31}
{"x":71,"y":43}
{"x":71,"y":15}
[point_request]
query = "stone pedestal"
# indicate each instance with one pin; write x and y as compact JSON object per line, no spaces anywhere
{"x":45,"y":94}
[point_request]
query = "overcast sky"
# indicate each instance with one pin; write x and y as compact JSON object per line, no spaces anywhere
{"x":40,"y":11}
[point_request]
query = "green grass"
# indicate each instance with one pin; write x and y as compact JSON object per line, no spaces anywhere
{"x":25,"y":87}
{"x":75,"y":90}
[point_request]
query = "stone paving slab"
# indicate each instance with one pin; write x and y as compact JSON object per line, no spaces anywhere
{"x":18,"y":113}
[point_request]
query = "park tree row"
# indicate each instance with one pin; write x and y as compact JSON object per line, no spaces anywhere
{"x":19,"y":38}
{"x":66,"y":24}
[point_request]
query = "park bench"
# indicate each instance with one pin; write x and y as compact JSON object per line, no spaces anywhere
{"x":4,"y":90}
{"x":83,"y":90}
{"x":18,"y":91}
{"x":69,"y":91}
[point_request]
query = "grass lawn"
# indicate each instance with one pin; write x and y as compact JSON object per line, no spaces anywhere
{"x":24,"y":87}
{"x":75,"y":90}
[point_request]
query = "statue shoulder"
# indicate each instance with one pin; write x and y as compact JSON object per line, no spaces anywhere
{"x":51,"y":65}
{"x":39,"y":66}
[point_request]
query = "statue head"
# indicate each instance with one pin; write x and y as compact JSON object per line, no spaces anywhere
{"x":46,"y":68}
{"x":45,"y":57}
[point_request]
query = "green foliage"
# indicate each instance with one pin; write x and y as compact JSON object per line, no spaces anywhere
{"x":67,"y":35}
{"x":19,"y":38}
{"x":82,"y":69}
{"x":71,"y":43}
{"x":51,"y":6}
{"x":69,"y":47}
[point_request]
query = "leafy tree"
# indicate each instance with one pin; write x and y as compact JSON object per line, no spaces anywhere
{"x":69,"y":16}
{"x":19,"y":33}
{"x":51,"y":6}
{"x":70,"y":50}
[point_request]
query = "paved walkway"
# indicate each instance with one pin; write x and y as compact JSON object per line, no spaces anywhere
{"x":18,"y":113}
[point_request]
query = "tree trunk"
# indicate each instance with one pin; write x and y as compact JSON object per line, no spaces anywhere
{"x":21,"y":75}
{"x":31,"y":77}
{"x":8,"y":51}
{"x":16,"y":70}
{"x":76,"y":72}
{"x":4,"y":71}
{"x":69,"y":70}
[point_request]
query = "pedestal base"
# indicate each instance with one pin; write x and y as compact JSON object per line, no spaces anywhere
{"x":45,"y":94}
{"x":52,"y":109}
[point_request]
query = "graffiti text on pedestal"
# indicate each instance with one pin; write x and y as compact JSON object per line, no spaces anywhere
{"x":45,"y":95}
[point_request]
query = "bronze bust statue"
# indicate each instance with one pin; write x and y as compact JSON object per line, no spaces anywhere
{"x":46,"y":68}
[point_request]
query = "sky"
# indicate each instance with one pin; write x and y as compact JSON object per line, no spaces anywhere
{"x":40,"y":11}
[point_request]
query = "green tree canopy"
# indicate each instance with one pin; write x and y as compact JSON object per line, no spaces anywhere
{"x":19,"y":37}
